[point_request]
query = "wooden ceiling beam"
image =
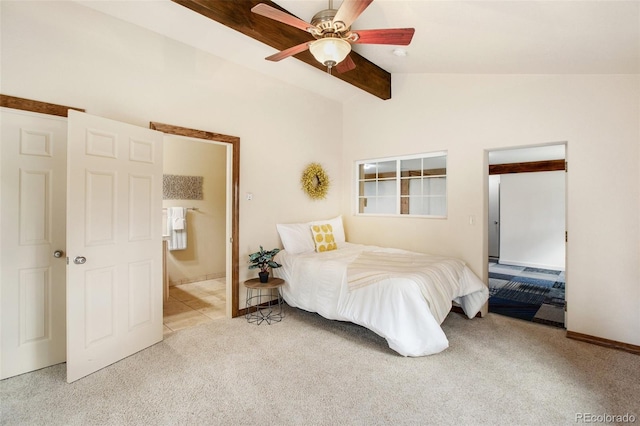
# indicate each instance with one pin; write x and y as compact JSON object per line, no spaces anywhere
{"x":527,"y":167}
{"x":237,"y":15}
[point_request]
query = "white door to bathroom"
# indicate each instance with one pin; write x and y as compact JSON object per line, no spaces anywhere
{"x":32,"y":226}
{"x":114,"y":242}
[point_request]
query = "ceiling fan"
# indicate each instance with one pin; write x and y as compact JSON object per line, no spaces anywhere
{"x":333,"y":35}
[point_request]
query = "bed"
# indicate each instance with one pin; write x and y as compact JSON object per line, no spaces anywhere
{"x":402,"y":296}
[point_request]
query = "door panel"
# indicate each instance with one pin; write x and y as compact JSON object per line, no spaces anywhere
{"x":115,"y":199}
{"x":32,"y":228}
{"x":99,"y":194}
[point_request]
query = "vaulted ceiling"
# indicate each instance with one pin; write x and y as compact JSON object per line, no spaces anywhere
{"x":238,"y":16}
{"x":452,"y":37}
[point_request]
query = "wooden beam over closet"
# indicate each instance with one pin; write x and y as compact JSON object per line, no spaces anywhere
{"x":528,"y":167}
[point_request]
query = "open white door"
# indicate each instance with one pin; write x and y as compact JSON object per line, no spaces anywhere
{"x":114,"y":242}
{"x":32,"y":241}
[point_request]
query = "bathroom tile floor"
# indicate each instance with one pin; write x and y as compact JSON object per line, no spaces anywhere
{"x":194,"y":304}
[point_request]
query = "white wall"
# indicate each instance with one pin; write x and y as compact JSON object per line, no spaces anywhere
{"x":64,"y":53}
{"x":205,"y":255}
{"x":532,"y":219}
{"x":598,"y":116}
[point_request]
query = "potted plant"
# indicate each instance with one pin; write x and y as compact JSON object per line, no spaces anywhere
{"x":263,"y":259}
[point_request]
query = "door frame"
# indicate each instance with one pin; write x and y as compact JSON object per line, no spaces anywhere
{"x":524,"y":167}
{"x":36,"y":106}
{"x":493,"y":204}
{"x":234,"y":141}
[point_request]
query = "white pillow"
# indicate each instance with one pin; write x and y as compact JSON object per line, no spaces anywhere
{"x":336,"y":224}
{"x":296,"y":237}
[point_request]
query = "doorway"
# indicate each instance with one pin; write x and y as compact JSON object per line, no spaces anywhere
{"x":526,"y":233}
{"x":195,"y":198}
{"x":232,"y":145}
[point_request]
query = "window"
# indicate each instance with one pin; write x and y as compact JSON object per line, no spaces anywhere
{"x":413,"y":185}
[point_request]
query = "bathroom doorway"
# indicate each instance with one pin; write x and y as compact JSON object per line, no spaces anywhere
{"x":200,"y":174}
{"x":195,"y":265}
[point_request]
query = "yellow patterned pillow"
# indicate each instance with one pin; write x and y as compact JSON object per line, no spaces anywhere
{"x":323,"y":237}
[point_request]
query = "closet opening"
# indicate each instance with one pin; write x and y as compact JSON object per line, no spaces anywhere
{"x":527,"y":233}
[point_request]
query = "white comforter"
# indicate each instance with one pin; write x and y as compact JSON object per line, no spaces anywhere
{"x":394,"y":306}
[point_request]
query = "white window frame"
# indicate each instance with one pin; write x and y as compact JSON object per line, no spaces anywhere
{"x":398,"y":178}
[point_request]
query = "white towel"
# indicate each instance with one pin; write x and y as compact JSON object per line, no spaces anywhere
{"x":178,"y":234}
{"x":179,"y":218}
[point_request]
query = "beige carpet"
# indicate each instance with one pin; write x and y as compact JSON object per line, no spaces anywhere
{"x":310,"y":371}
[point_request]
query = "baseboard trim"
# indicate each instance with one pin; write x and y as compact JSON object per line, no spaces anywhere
{"x":627,"y":347}
{"x":502,"y":261}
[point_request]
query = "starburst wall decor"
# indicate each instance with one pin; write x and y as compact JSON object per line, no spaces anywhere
{"x":177,"y":187}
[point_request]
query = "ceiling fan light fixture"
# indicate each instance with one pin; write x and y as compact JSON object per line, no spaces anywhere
{"x":330,"y":51}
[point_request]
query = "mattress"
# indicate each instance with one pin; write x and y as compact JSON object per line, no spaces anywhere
{"x":403,"y":305}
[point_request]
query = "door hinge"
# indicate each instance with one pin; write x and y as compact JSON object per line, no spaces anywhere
{"x":566,"y":166}
{"x":566,"y":237}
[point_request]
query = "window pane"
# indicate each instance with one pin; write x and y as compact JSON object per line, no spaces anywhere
{"x":437,"y":206}
{"x":386,"y":205}
{"x":377,"y":205}
{"x":435,"y":165}
{"x":363,"y":204}
{"x":412,"y":167}
{"x":415,"y":186}
{"x":367,"y":171}
{"x":369,"y":189}
{"x":387,"y":188}
{"x":421,"y":191}
{"x":386,"y":169}
{"x":420,"y":206}
{"x":435,"y":186}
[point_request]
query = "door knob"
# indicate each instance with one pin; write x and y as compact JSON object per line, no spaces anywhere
{"x":79,"y":260}
{"x":58,"y":254}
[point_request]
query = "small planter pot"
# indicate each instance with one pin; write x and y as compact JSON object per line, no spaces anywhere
{"x":264,"y":277}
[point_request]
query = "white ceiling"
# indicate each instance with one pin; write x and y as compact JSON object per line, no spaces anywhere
{"x":471,"y":37}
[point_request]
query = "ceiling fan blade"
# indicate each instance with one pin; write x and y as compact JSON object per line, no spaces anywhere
{"x":289,"y":52}
{"x":280,"y":16}
{"x":397,"y":36}
{"x":349,"y":11}
{"x":346,"y":65}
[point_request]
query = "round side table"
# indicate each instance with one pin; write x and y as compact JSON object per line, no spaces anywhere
{"x":264,"y":301}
